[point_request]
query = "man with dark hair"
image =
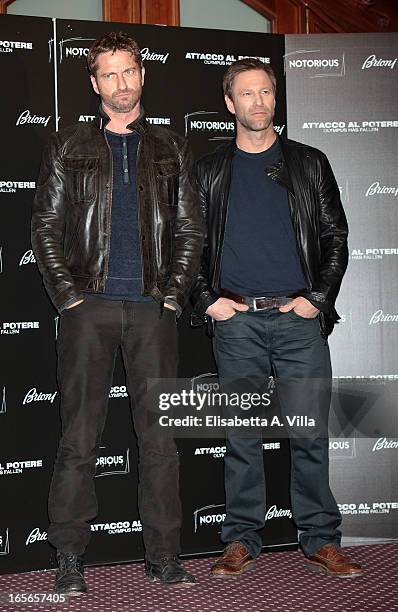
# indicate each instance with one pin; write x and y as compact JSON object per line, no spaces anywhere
{"x":117,"y":233}
{"x":274,"y":256}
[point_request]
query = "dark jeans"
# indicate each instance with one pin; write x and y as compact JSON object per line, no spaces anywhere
{"x":256,"y":345}
{"x":90,"y":335}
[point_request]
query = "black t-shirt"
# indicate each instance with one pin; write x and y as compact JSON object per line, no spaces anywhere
{"x":260,"y":254}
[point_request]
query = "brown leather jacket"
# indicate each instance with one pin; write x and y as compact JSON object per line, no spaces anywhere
{"x":71,"y":219}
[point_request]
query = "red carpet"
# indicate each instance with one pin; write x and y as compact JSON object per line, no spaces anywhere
{"x":280,"y":583}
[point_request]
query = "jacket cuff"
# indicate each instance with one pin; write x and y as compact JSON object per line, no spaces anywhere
{"x":206,"y":299}
{"x":171,"y":301}
{"x":318,"y":300}
{"x":69,"y":302}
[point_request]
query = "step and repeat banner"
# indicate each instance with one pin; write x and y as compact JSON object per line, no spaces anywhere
{"x":49,"y":88}
{"x":335,"y":83}
{"x":342,"y":97}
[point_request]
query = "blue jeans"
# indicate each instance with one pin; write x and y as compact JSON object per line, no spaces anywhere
{"x":254,"y":345}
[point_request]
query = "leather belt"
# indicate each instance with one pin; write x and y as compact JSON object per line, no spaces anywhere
{"x":260,"y":303}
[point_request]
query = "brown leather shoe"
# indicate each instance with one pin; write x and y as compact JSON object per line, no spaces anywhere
{"x":234,"y":561}
{"x":331,"y":560}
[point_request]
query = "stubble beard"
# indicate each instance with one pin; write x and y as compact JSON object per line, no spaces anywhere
{"x":117,"y":105}
{"x":257,"y":125}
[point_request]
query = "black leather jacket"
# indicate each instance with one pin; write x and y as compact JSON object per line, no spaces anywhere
{"x":71,"y":220}
{"x":317,"y":215}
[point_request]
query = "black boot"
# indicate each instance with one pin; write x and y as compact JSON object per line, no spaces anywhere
{"x":169,"y":570}
{"x":69,"y":579}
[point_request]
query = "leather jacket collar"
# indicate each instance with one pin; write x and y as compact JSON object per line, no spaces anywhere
{"x":140,"y":125}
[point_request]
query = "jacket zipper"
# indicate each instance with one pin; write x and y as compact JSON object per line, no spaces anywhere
{"x":139,"y":217}
{"x":109,"y":187}
{"x":298,"y":243}
{"x":221,"y":247}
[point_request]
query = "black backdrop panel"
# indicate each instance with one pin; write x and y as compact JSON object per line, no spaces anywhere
{"x":29,"y":422}
{"x":50,"y":90}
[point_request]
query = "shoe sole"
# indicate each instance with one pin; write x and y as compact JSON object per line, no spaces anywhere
{"x":319,"y":569}
{"x":246,"y":568}
{"x":170,"y":584}
{"x":71,"y":593}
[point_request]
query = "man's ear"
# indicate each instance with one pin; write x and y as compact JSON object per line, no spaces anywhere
{"x":94,"y":83}
{"x":230,"y":105}
{"x":142,"y":75}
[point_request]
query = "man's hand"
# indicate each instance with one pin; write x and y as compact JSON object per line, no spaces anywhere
{"x":225,"y":309}
{"x":74,"y":304}
{"x":169,"y":306}
{"x":302,"y":307}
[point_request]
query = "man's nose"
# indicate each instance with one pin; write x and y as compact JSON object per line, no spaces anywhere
{"x":121,"y":82}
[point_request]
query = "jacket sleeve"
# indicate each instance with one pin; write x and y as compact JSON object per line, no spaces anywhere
{"x":47,"y":228}
{"x":333,"y":232}
{"x":202,"y":296}
{"x":187,"y":237}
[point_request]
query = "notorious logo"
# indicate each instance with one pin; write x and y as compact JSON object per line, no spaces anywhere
{"x":204,"y":122}
{"x":117,"y":463}
{"x":221,"y":59}
{"x":206,"y":517}
{"x":339,"y":448}
{"x":377,"y":189}
{"x":13,"y":186}
{"x":15,"y":327}
{"x":8,"y":46}
{"x":205,"y":382}
{"x":372,"y":62}
{"x":69,"y":48}
{"x":348,"y":126}
{"x":313,"y":66}
{"x":76,"y":51}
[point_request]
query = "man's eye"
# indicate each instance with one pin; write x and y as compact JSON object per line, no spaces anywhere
{"x":130,"y":71}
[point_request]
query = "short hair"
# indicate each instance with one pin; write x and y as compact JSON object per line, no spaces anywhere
{"x":113,"y":41}
{"x":244,"y":65}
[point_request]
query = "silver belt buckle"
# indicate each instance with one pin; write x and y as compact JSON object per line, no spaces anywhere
{"x":254,"y":304}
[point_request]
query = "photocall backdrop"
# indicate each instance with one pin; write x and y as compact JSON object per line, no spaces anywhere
{"x":325,"y":83}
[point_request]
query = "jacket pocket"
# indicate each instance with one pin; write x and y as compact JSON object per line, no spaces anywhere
{"x":81,"y":179}
{"x":166,"y":179}
{"x":70,"y":241}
